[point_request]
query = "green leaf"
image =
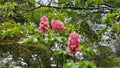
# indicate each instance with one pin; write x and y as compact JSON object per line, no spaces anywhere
{"x":57,"y":52}
{"x":98,"y":2}
{"x":71,"y":65}
{"x":32,"y":1}
{"x":78,"y":1}
{"x":7,"y":32}
{"x":86,"y":64}
{"x":59,"y":39}
{"x":25,"y":40}
{"x":109,"y":18}
{"x":116,"y":26}
{"x":74,"y":65}
{"x":66,"y":65}
{"x":11,"y":13}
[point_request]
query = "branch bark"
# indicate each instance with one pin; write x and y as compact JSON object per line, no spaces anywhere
{"x":72,"y":8}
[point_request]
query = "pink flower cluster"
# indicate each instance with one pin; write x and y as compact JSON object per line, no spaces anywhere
{"x":73,"y":43}
{"x":44,"y":24}
{"x":57,"y":25}
{"x":73,"y":40}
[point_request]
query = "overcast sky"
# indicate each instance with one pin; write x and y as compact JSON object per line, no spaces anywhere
{"x":43,"y":1}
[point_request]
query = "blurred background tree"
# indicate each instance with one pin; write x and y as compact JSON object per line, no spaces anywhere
{"x":21,"y":43}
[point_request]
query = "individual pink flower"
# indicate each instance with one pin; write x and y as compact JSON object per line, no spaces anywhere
{"x":44,"y":24}
{"x":57,"y":25}
{"x":73,"y":43}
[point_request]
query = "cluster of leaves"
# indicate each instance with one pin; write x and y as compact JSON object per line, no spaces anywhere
{"x":24,"y":42}
{"x":19,"y":34}
{"x":21,"y":40}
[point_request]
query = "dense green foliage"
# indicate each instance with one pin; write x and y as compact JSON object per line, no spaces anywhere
{"x":96,"y":21}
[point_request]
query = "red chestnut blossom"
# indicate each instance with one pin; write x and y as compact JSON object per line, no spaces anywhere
{"x":57,"y":25}
{"x":73,"y":43}
{"x":44,"y":24}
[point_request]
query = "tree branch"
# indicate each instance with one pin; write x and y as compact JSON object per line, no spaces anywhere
{"x":105,"y":3}
{"x":72,"y":8}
